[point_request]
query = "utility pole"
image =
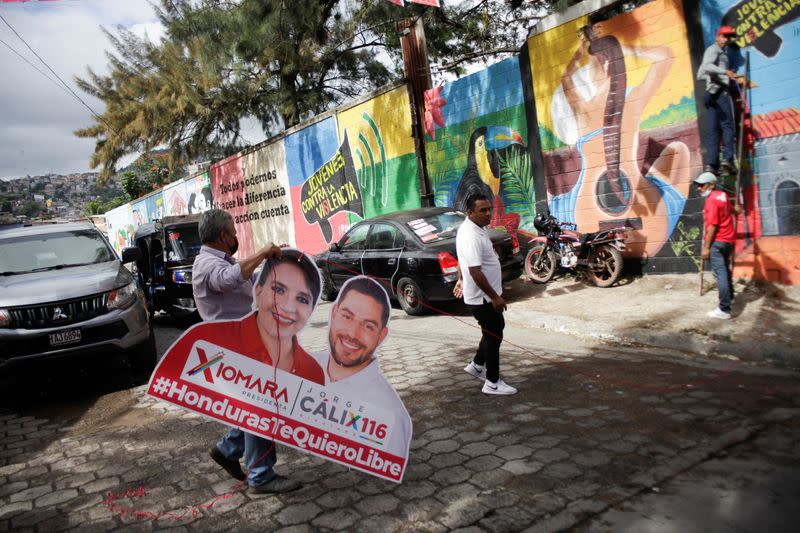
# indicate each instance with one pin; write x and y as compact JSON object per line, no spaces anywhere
{"x":418,"y":73}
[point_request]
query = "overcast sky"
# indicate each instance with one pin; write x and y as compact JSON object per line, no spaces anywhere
{"x":37,"y":118}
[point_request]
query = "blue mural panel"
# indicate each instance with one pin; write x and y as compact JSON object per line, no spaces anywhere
{"x":309,"y":148}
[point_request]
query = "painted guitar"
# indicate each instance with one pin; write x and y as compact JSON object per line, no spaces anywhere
{"x":611,"y":190}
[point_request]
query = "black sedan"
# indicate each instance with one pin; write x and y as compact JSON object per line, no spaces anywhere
{"x":411,"y":253}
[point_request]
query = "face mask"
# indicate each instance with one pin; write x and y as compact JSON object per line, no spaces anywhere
{"x":705,"y":193}
{"x":234,"y":247}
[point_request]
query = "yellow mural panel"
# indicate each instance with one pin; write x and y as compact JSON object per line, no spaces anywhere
{"x":380,"y":128}
{"x":549,"y":52}
{"x":653,"y":39}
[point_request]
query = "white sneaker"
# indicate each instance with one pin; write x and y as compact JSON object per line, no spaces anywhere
{"x":718,"y":313}
{"x":477,"y":371}
{"x":501,"y":387}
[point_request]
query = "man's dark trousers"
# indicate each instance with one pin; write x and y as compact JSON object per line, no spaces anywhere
{"x":719,"y":108}
{"x":492,"y":323}
{"x":720,"y":256}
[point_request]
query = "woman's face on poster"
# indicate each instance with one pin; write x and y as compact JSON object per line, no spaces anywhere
{"x":284,"y":301}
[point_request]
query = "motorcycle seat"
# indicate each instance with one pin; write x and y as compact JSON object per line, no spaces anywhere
{"x":587,"y":237}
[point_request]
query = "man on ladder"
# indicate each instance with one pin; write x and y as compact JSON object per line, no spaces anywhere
{"x":714,"y":70}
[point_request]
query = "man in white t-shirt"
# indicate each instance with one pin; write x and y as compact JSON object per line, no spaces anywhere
{"x":358,"y":325}
{"x":480,"y":281}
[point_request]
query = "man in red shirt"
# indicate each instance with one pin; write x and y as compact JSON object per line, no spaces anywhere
{"x":718,"y":241}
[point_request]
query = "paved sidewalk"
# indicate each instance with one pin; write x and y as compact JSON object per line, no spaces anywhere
{"x":592,"y":428}
{"x":667,"y":312}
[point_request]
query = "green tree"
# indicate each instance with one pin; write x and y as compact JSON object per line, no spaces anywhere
{"x":111,"y":204}
{"x":93,"y":207}
{"x":148,"y":173}
{"x":32,"y":209}
{"x":279,"y":62}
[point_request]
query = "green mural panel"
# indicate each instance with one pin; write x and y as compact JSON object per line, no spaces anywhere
{"x":403,"y":187}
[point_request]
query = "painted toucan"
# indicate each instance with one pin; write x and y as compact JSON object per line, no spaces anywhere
{"x":483,"y":169}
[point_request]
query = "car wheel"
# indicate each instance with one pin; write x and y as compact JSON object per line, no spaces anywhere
{"x":410,"y":296}
{"x":328,"y":291}
{"x":142,"y":359}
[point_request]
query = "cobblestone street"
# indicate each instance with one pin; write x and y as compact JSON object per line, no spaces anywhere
{"x":592,"y":429}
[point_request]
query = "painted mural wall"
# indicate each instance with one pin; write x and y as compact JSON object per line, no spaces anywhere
{"x":476,"y":144}
{"x":186,"y":196}
{"x":618,"y":129}
{"x":769,"y":233}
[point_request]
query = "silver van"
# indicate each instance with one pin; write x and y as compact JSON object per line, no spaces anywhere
{"x":64,"y":293}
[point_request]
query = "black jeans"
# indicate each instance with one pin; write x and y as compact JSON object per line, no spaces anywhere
{"x":492,"y":324}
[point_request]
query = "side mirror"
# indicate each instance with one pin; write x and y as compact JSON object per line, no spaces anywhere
{"x":129,"y":255}
{"x":335,"y":247}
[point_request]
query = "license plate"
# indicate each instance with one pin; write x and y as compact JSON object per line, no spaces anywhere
{"x":69,"y":336}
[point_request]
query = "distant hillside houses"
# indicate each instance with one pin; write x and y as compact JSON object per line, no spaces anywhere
{"x":53,"y":195}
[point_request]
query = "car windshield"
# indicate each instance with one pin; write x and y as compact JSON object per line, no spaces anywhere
{"x":437,"y":227}
{"x":183,"y":243}
{"x":49,"y":251}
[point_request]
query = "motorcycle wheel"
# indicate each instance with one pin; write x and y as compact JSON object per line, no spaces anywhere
{"x":546,"y":268}
{"x":609,"y":265}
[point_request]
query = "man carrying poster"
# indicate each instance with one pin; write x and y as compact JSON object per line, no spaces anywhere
{"x":358,"y":325}
{"x":223,"y":289}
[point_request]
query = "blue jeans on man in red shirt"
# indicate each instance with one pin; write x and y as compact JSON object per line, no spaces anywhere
{"x":720,"y":256}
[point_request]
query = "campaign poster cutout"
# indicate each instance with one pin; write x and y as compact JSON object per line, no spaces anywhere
{"x":228,"y":187}
{"x":335,"y":404}
{"x":199,"y":197}
{"x":266,"y":196}
{"x":175,"y":199}
{"x":155,"y":206}
{"x":120,"y":227}
{"x":310,"y":153}
{"x":383,"y":152}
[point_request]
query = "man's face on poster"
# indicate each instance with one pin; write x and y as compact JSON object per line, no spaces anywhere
{"x":356,"y":329}
{"x":284,"y":301}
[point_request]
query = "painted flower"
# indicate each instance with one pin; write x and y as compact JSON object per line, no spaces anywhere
{"x":433,"y":110}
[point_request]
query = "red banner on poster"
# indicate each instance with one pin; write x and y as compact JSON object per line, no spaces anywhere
{"x":239,"y":391}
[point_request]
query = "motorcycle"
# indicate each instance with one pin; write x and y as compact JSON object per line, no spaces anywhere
{"x":561,"y":245}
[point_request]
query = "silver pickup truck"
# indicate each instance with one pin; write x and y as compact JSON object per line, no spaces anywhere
{"x":64,"y":293}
